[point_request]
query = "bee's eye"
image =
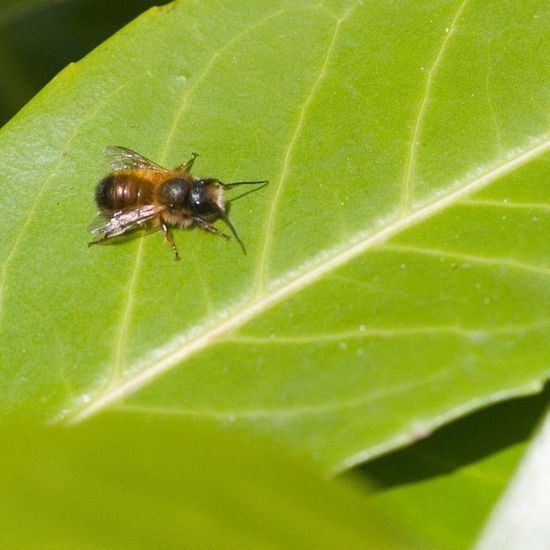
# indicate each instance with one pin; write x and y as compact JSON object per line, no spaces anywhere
{"x":199,"y":201}
{"x":175,"y":192}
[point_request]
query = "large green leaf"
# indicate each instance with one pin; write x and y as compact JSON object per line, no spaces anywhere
{"x":395,"y":277}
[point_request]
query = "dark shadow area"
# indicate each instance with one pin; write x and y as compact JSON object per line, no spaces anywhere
{"x":37,"y":44}
{"x":463,"y":442}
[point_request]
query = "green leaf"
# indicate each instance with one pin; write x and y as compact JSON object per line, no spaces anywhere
{"x":395,"y":276}
{"x":125,"y":483}
{"x":456,"y":476}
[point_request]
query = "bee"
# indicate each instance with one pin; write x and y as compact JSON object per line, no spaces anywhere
{"x":139,"y":192}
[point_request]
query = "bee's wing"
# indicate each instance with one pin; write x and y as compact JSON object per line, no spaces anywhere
{"x":98,"y":223}
{"x":121,"y":158}
{"x":123,"y":220}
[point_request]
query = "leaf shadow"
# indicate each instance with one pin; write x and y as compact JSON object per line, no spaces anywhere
{"x":461,"y":443}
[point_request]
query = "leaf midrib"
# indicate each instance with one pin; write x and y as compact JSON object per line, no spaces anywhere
{"x":261,"y":300}
{"x":329,"y":262}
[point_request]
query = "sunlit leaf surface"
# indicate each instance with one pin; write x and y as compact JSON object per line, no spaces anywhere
{"x":397,"y":271}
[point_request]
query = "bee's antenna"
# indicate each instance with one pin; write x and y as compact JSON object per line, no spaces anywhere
{"x":221,"y":213}
{"x":253,"y":190}
{"x":234,"y":184}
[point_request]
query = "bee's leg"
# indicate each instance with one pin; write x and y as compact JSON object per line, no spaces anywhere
{"x":210,"y":228}
{"x":186,"y":166}
{"x":168,"y":237}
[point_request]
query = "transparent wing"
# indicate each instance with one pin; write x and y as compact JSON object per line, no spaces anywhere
{"x":121,"y":158}
{"x":98,"y":223}
{"x":123,"y":220}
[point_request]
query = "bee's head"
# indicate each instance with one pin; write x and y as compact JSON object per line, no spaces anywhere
{"x":206,"y":198}
{"x":207,"y":203}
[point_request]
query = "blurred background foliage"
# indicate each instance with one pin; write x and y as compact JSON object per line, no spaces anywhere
{"x":38,"y":38}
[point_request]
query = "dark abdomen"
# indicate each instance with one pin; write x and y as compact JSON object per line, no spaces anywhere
{"x":120,"y":191}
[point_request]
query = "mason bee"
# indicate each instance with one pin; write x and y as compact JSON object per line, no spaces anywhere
{"x":140,"y":192}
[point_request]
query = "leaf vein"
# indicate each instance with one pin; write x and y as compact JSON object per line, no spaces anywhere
{"x":295,"y":410}
{"x":473,"y":333}
{"x":261,"y":271}
{"x":410,"y":165}
{"x":506,"y":204}
{"x":122,"y":333}
{"x":38,"y":196}
{"x":200,"y":78}
{"x":486,"y":260}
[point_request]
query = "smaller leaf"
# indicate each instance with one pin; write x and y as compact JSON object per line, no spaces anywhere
{"x":520,"y":520}
{"x":456,"y":476}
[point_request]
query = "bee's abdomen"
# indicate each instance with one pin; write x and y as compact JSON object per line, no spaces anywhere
{"x":119,"y":191}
